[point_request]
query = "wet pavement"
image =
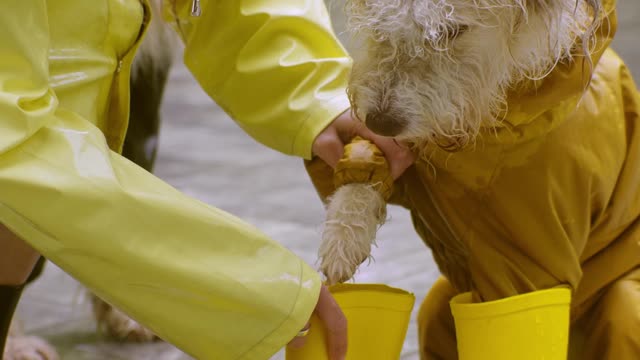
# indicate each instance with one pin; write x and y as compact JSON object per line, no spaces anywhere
{"x":204,"y":154}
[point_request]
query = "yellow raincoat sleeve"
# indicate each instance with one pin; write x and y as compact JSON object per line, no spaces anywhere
{"x":275,"y":66}
{"x":200,"y":278}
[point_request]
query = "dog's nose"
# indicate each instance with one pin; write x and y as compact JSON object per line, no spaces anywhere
{"x":384,"y":125}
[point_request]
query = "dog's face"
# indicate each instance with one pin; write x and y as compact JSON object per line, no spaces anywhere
{"x":441,"y":68}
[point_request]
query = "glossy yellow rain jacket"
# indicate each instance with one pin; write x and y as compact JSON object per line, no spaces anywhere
{"x":551,"y":197}
{"x":200,"y":278}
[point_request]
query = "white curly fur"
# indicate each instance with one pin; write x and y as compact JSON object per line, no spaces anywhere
{"x":117,"y":324}
{"x":444,"y":67}
{"x":28,"y":348}
{"x":354,"y":214}
{"x":21,"y":347}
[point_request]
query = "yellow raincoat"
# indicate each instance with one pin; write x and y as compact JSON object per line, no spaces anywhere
{"x":198,"y":277}
{"x":549,"y":198}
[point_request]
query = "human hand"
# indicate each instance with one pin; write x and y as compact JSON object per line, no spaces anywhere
{"x":329,"y":144}
{"x":335,"y":324}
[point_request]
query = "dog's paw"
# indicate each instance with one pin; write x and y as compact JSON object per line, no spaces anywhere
{"x":338,"y":270}
{"x":28,"y":348}
{"x":354,"y":214}
{"x":118,"y":325}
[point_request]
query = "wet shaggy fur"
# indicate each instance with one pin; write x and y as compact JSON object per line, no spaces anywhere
{"x":442,"y":68}
{"x":439,"y":71}
{"x":354,"y":214}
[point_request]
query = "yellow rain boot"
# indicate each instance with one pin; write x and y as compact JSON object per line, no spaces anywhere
{"x":533,"y":326}
{"x":377,"y":316}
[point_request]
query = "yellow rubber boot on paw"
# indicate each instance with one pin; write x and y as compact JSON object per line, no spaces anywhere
{"x":533,"y":326}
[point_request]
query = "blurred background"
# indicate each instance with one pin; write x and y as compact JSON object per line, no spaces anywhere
{"x":204,"y":154}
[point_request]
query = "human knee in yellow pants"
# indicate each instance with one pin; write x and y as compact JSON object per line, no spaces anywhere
{"x":609,"y":330}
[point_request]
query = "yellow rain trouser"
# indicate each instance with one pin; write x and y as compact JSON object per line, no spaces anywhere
{"x":608,"y":330}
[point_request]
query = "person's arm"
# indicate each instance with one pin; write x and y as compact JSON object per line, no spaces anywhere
{"x":198,"y":277}
{"x":275,"y":67}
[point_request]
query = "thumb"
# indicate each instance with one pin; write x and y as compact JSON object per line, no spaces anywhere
{"x":329,"y":147}
{"x":399,"y":156}
{"x":335,"y":324}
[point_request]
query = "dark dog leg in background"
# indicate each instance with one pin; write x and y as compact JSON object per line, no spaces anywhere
{"x":148,"y":80}
{"x":147,"y":88}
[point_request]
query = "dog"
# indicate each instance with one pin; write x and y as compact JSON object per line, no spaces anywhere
{"x":440,"y":72}
{"x":523,"y":121}
{"x":149,"y":75}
